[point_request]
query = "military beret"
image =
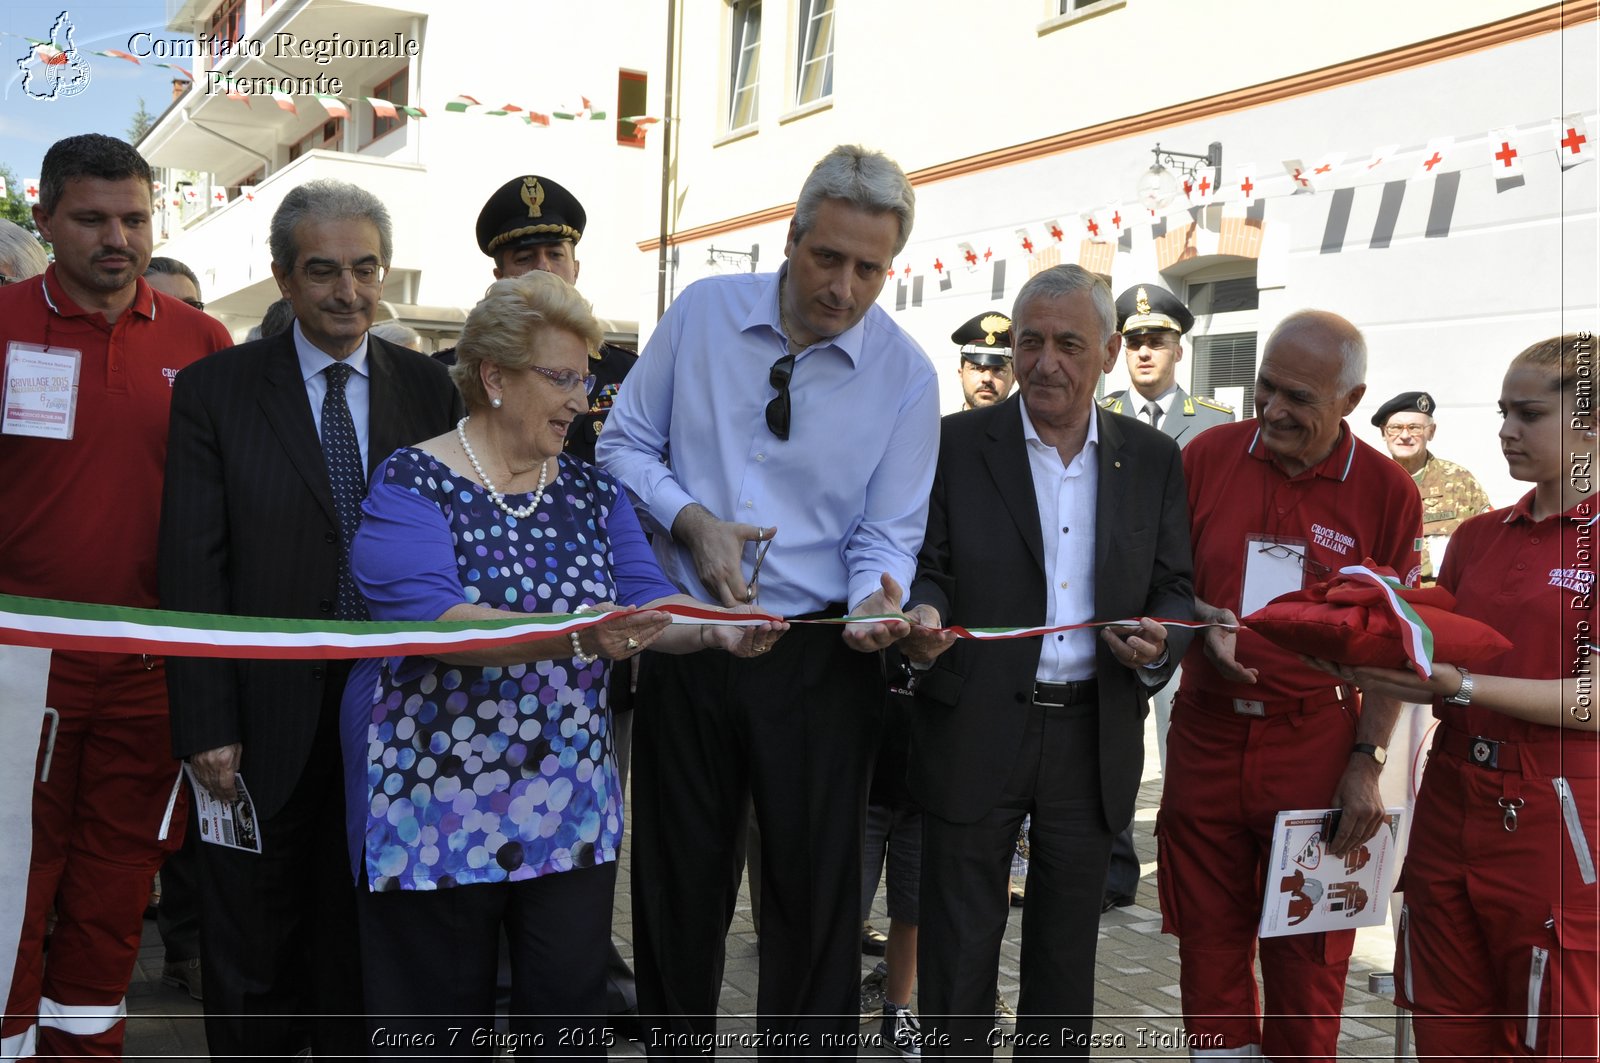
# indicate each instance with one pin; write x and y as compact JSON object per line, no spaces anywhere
{"x":529,"y":210}
{"x":1405,"y":402}
{"x":986,"y":339}
{"x":1150,"y":307}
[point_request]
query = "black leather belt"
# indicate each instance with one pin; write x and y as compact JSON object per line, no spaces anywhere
{"x":1056,"y":695}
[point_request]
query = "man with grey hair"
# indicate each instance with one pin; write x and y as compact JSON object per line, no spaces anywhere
{"x":21,"y":255}
{"x":1277,"y":502}
{"x":1046,"y":511}
{"x":817,"y":446}
{"x":271,"y":446}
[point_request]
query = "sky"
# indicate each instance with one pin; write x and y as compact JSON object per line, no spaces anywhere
{"x":27,"y":126}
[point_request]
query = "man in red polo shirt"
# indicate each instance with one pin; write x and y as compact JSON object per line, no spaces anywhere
{"x":90,"y":354}
{"x":1276,"y":502}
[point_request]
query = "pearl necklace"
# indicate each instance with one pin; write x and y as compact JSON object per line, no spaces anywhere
{"x":495,"y":495}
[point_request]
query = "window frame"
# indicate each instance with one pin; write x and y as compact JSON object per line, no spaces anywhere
{"x":745,"y":15}
{"x":403,"y":76}
{"x":805,"y":42}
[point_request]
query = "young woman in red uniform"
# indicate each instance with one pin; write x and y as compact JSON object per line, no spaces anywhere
{"x":1498,"y":938}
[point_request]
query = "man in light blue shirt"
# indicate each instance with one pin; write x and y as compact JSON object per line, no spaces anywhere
{"x":785,"y":412}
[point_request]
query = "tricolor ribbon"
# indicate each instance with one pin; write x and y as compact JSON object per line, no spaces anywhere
{"x":50,"y":624}
{"x":1418,"y":640}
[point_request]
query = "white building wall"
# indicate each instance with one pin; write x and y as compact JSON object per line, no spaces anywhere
{"x":1443,"y":314}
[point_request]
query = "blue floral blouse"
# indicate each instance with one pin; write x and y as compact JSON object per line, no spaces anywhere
{"x":460,"y":774}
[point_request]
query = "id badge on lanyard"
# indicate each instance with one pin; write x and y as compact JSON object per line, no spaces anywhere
{"x":1273,"y":566}
{"x":41,"y":391}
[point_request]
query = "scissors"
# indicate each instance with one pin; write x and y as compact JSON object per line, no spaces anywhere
{"x":752,"y":588}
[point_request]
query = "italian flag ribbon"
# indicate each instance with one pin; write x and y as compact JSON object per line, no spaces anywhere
{"x":50,"y":624}
{"x":1417,"y":637}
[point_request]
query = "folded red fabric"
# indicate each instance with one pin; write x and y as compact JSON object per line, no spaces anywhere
{"x":1352,"y":620}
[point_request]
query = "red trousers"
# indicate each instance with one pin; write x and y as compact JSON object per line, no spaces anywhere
{"x":1228,"y":776}
{"x":1499,"y":941}
{"x":95,"y":851}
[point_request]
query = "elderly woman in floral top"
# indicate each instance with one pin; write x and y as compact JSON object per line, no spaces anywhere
{"x":482,"y":788}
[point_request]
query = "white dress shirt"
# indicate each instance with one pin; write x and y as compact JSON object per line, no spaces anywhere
{"x":1066,"y":498}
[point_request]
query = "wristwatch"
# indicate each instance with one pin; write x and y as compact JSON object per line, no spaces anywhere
{"x":1462,"y":696}
{"x":1377,"y":753}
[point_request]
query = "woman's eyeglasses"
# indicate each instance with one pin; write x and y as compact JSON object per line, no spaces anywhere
{"x":566,"y":379}
{"x":778,"y":409}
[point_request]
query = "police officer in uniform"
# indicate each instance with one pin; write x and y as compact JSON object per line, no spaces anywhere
{"x":1450,"y":494}
{"x":532,"y":223}
{"x":1153,"y":322}
{"x":985,"y":342}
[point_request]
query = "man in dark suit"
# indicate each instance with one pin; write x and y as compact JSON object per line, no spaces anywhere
{"x":1153,"y":323}
{"x":1044,"y":511}
{"x":272,"y":443}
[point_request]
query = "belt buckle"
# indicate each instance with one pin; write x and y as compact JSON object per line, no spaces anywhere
{"x":1484,"y":752}
{"x":1038,"y":694}
{"x":1246,"y":707}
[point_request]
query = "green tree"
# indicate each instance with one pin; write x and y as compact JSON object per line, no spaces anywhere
{"x":13,"y":207}
{"x":140,"y":123}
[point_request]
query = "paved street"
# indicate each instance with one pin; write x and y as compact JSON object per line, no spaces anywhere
{"x":1137,"y":1002}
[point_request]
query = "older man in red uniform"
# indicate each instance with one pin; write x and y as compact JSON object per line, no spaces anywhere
{"x":79,"y":504}
{"x":1276,"y":502}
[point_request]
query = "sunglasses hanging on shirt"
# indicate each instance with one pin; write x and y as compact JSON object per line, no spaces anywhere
{"x":778,"y":409}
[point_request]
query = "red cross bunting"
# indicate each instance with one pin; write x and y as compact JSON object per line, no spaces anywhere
{"x":1247,"y":187}
{"x":1027,"y":245}
{"x":1116,"y":219}
{"x":986,"y":253}
{"x":1094,"y":227}
{"x":971,"y":257}
{"x":1324,"y":168}
{"x":1205,"y":185}
{"x":1574,"y":141}
{"x":1055,"y":230}
{"x":1300,"y":180}
{"x":907,"y":270}
{"x":1506,"y":153}
{"x":33,"y":190}
{"x":938,"y":266}
{"x":1188,"y":187}
{"x":1429,"y":164}
{"x":891,"y":271}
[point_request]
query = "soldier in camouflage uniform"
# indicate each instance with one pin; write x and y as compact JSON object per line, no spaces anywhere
{"x":1450,"y":494}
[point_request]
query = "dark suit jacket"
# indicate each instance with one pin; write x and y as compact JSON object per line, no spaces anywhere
{"x":248,"y":528}
{"x":982,"y":565}
{"x":1188,"y":418}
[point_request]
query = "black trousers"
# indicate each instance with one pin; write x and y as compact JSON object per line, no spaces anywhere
{"x":430,"y":959}
{"x":278,"y":940}
{"x":965,"y":867}
{"x":795,"y":730}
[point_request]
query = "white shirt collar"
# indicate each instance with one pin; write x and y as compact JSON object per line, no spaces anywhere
{"x":314,"y":359}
